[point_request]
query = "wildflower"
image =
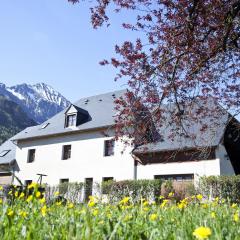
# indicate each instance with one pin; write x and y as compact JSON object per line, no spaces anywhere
{"x":161,"y":197}
{"x":202,"y":233}
{"x":91,"y":203}
{"x":21,"y":195}
{"x":234,"y":205}
{"x":70,"y":205}
{"x":205,"y":205}
{"x":127,"y":218}
{"x":125,"y":200}
{"x":199,"y":197}
{"x":145,"y":203}
{"x":10,"y":213}
{"x":170,"y":194}
{"x":44,"y":210}
{"x":23,"y":214}
{"x":16,"y":194}
{"x":95,"y":212}
{"x":29,"y":199}
{"x":164,"y":203}
{"x":38,"y":194}
{"x":236,"y":217}
{"x":42,"y":200}
{"x":213,"y":215}
{"x":56,"y":194}
{"x":32,"y":185}
{"x":1,"y":188}
{"x":153,"y":217}
{"x":58,"y":203}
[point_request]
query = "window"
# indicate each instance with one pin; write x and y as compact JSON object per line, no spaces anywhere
{"x":106,"y":179}
{"x":44,"y":125}
{"x":176,"y":177}
{"x":71,"y":120}
{"x":109,"y":147}
{"x":4,"y":153}
{"x":31,"y":155}
{"x":64,"y":180}
{"x":66,"y":152}
{"x":28,"y":182}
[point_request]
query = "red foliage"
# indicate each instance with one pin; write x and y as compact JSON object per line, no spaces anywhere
{"x":192,"y":52}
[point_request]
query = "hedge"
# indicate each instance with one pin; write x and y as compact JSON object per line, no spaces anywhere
{"x":225,"y":187}
{"x":136,"y":189}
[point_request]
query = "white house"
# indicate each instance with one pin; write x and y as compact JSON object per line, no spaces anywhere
{"x":77,"y":145}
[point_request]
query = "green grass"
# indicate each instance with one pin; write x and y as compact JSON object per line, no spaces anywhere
{"x":34,"y":219}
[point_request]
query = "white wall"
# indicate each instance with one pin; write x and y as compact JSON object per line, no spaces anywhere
{"x":198,"y":168}
{"x":87,"y":159}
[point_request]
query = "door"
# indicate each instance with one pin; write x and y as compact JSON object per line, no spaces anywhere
{"x":88,"y":188}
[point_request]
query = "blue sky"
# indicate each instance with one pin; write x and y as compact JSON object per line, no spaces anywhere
{"x":52,"y":41}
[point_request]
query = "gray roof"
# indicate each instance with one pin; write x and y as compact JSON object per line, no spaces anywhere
{"x":10,"y":156}
{"x":101,"y":109}
{"x":215,"y":118}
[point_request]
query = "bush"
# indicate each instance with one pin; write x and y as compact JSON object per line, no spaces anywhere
{"x":136,"y":189}
{"x":226,"y":187}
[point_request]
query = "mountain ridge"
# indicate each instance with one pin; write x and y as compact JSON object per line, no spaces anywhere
{"x":39,"y":101}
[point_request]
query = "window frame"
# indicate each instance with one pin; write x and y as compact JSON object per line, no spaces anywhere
{"x":31,"y":154}
{"x":109,"y":149}
{"x":71,"y":118}
{"x":64,"y":153}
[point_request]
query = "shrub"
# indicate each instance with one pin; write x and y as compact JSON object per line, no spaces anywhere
{"x":226,"y":187}
{"x":136,"y":189}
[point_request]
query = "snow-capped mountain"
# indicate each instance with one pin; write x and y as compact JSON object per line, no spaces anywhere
{"x":39,"y":101}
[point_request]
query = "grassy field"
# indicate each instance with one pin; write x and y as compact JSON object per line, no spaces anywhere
{"x":192,"y":218}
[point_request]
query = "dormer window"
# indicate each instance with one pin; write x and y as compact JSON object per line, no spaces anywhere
{"x":74,"y":116}
{"x":71,"y":120}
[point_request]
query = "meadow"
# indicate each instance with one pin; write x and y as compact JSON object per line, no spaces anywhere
{"x":31,"y":216}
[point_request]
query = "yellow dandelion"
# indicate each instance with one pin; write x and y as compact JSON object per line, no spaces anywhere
{"x":70,"y":205}
{"x":56,"y":194}
{"x":213,"y":215}
{"x":10,"y":213}
{"x":202,"y":233}
{"x":164,"y":203}
{"x":153,"y":217}
{"x":236,"y":217}
{"x":171,"y":194}
{"x":23,"y":214}
{"x":44,"y":210}
{"x":145,"y":203}
{"x":32,"y":185}
{"x":58,"y":203}
{"x":38,"y":194}
{"x":91,"y":203}
{"x":21,"y":195}
{"x":127,"y":218}
{"x":125,"y":200}
{"x":16,"y":194}
{"x":29,"y":199}
{"x":199,"y":197}
{"x":42,"y":200}
{"x":234,"y":205}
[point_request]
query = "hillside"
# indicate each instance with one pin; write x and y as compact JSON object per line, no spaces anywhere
{"x":12,"y":119}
